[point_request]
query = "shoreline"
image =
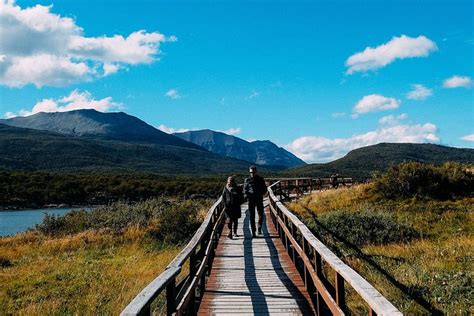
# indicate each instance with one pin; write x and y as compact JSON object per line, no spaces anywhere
{"x":55,"y":207}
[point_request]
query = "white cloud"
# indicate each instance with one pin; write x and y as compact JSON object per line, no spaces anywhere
{"x":173,"y":94}
{"x":469,"y":138}
{"x":375,"y":103}
{"x":322,"y":149}
{"x":397,"y":48}
{"x":110,"y":68}
{"x":231,"y":131}
{"x":171,"y":130}
{"x":457,"y":82}
{"x":76,"y":100}
{"x":392,"y":119}
{"x":419,"y":92}
{"x":42,"y":48}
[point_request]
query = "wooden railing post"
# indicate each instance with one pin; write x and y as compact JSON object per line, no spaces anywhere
{"x":192,"y":274}
{"x":171,"y":297}
{"x":340,"y":293}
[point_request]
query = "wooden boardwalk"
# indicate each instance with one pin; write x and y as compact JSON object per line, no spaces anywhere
{"x":254,"y":276}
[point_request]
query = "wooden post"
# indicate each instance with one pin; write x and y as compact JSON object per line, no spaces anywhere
{"x":146,"y":311}
{"x":293,"y":251}
{"x":340,"y":294}
{"x":317,"y":264}
{"x":192,"y":274}
{"x":305,"y":270}
{"x":171,"y":297}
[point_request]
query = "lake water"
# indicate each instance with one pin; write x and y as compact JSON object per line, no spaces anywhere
{"x":12,"y":222}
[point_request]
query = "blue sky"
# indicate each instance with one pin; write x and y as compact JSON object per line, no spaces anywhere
{"x":319,"y":78}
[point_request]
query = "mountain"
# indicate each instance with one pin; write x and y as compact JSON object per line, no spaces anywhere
{"x":258,"y":152}
{"x":361,"y":162}
{"x":97,"y":125}
{"x":29,"y":149}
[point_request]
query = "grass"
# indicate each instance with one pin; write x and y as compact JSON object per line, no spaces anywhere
{"x":92,"y":271}
{"x":428,"y":273}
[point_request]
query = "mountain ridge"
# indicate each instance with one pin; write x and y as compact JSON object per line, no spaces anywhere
{"x":36,"y":150}
{"x":361,"y":162}
{"x":92,"y":124}
{"x":262,"y":152}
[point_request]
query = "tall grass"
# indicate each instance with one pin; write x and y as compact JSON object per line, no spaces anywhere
{"x":93,"y":263}
{"x":416,"y":249}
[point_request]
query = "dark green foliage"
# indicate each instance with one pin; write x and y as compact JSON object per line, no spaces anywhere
{"x":362,"y":162}
{"x":413,"y":179}
{"x":366,"y":227}
{"x":36,"y":189}
{"x":32,"y":150}
{"x":169,"y":221}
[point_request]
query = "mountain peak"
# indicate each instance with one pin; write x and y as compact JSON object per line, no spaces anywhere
{"x":89,"y":123}
{"x":259,"y":152}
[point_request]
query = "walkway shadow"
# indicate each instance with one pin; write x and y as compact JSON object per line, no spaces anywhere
{"x":412,"y":294}
{"x":256,"y":293}
{"x":284,"y":278}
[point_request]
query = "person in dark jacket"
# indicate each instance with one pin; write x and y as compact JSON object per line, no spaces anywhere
{"x":233,"y":198}
{"x":254,"y":189}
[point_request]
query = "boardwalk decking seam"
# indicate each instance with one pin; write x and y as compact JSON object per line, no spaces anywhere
{"x":254,"y":276}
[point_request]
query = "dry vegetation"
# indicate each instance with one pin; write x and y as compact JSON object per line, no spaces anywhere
{"x":417,"y":250}
{"x":64,"y":270}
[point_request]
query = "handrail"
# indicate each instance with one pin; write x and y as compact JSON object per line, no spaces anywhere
{"x":289,"y":228}
{"x":183,"y":296}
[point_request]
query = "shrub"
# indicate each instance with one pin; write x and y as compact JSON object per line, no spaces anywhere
{"x":414,"y":179}
{"x":367,"y":227}
{"x":170,"y":221}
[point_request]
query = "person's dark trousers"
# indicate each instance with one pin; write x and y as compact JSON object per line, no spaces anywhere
{"x":259,"y":205}
{"x":232,"y":223}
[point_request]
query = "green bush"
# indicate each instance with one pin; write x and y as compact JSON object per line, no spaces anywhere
{"x":414,"y":179}
{"x":174,"y":221}
{"x":367,"y":227}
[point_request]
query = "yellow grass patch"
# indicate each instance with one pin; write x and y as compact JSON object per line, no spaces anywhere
{"x":86,"y":273}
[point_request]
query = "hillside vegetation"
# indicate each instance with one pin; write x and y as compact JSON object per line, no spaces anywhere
{"x":361,"y":163}
{"x":410,"y":233}
{"x":93,"y":262}
{"x":35,"y":150}
{"x":36,"y":189}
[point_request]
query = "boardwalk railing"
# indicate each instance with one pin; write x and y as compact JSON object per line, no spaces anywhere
{"x":184,"y":279}
{"x":287,"y":187}
{"x":308,"y":254}
{"x":182,"y":296}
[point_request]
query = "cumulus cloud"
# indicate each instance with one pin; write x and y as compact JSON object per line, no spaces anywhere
{"x":171,"y":130}
{"x":76,"y":100}
{"x":173,"y":94}
{"x":372,"y":58}
{"x":392,"y":119}
{"x":231,"y":131}
{"x":469,"y":138}
{"x":45,"y":49}
{"x":375,"y":103}
{"x":457,"y":82}
{"x":419,"y":92}
{"x":322,"y":149}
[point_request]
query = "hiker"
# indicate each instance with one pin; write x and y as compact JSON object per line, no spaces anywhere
{"x":254,"y":189}
{"x":233,"y":198}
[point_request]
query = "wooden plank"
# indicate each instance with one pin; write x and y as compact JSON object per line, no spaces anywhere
{"x":376,"y":301}
{"x":254,"y":276}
